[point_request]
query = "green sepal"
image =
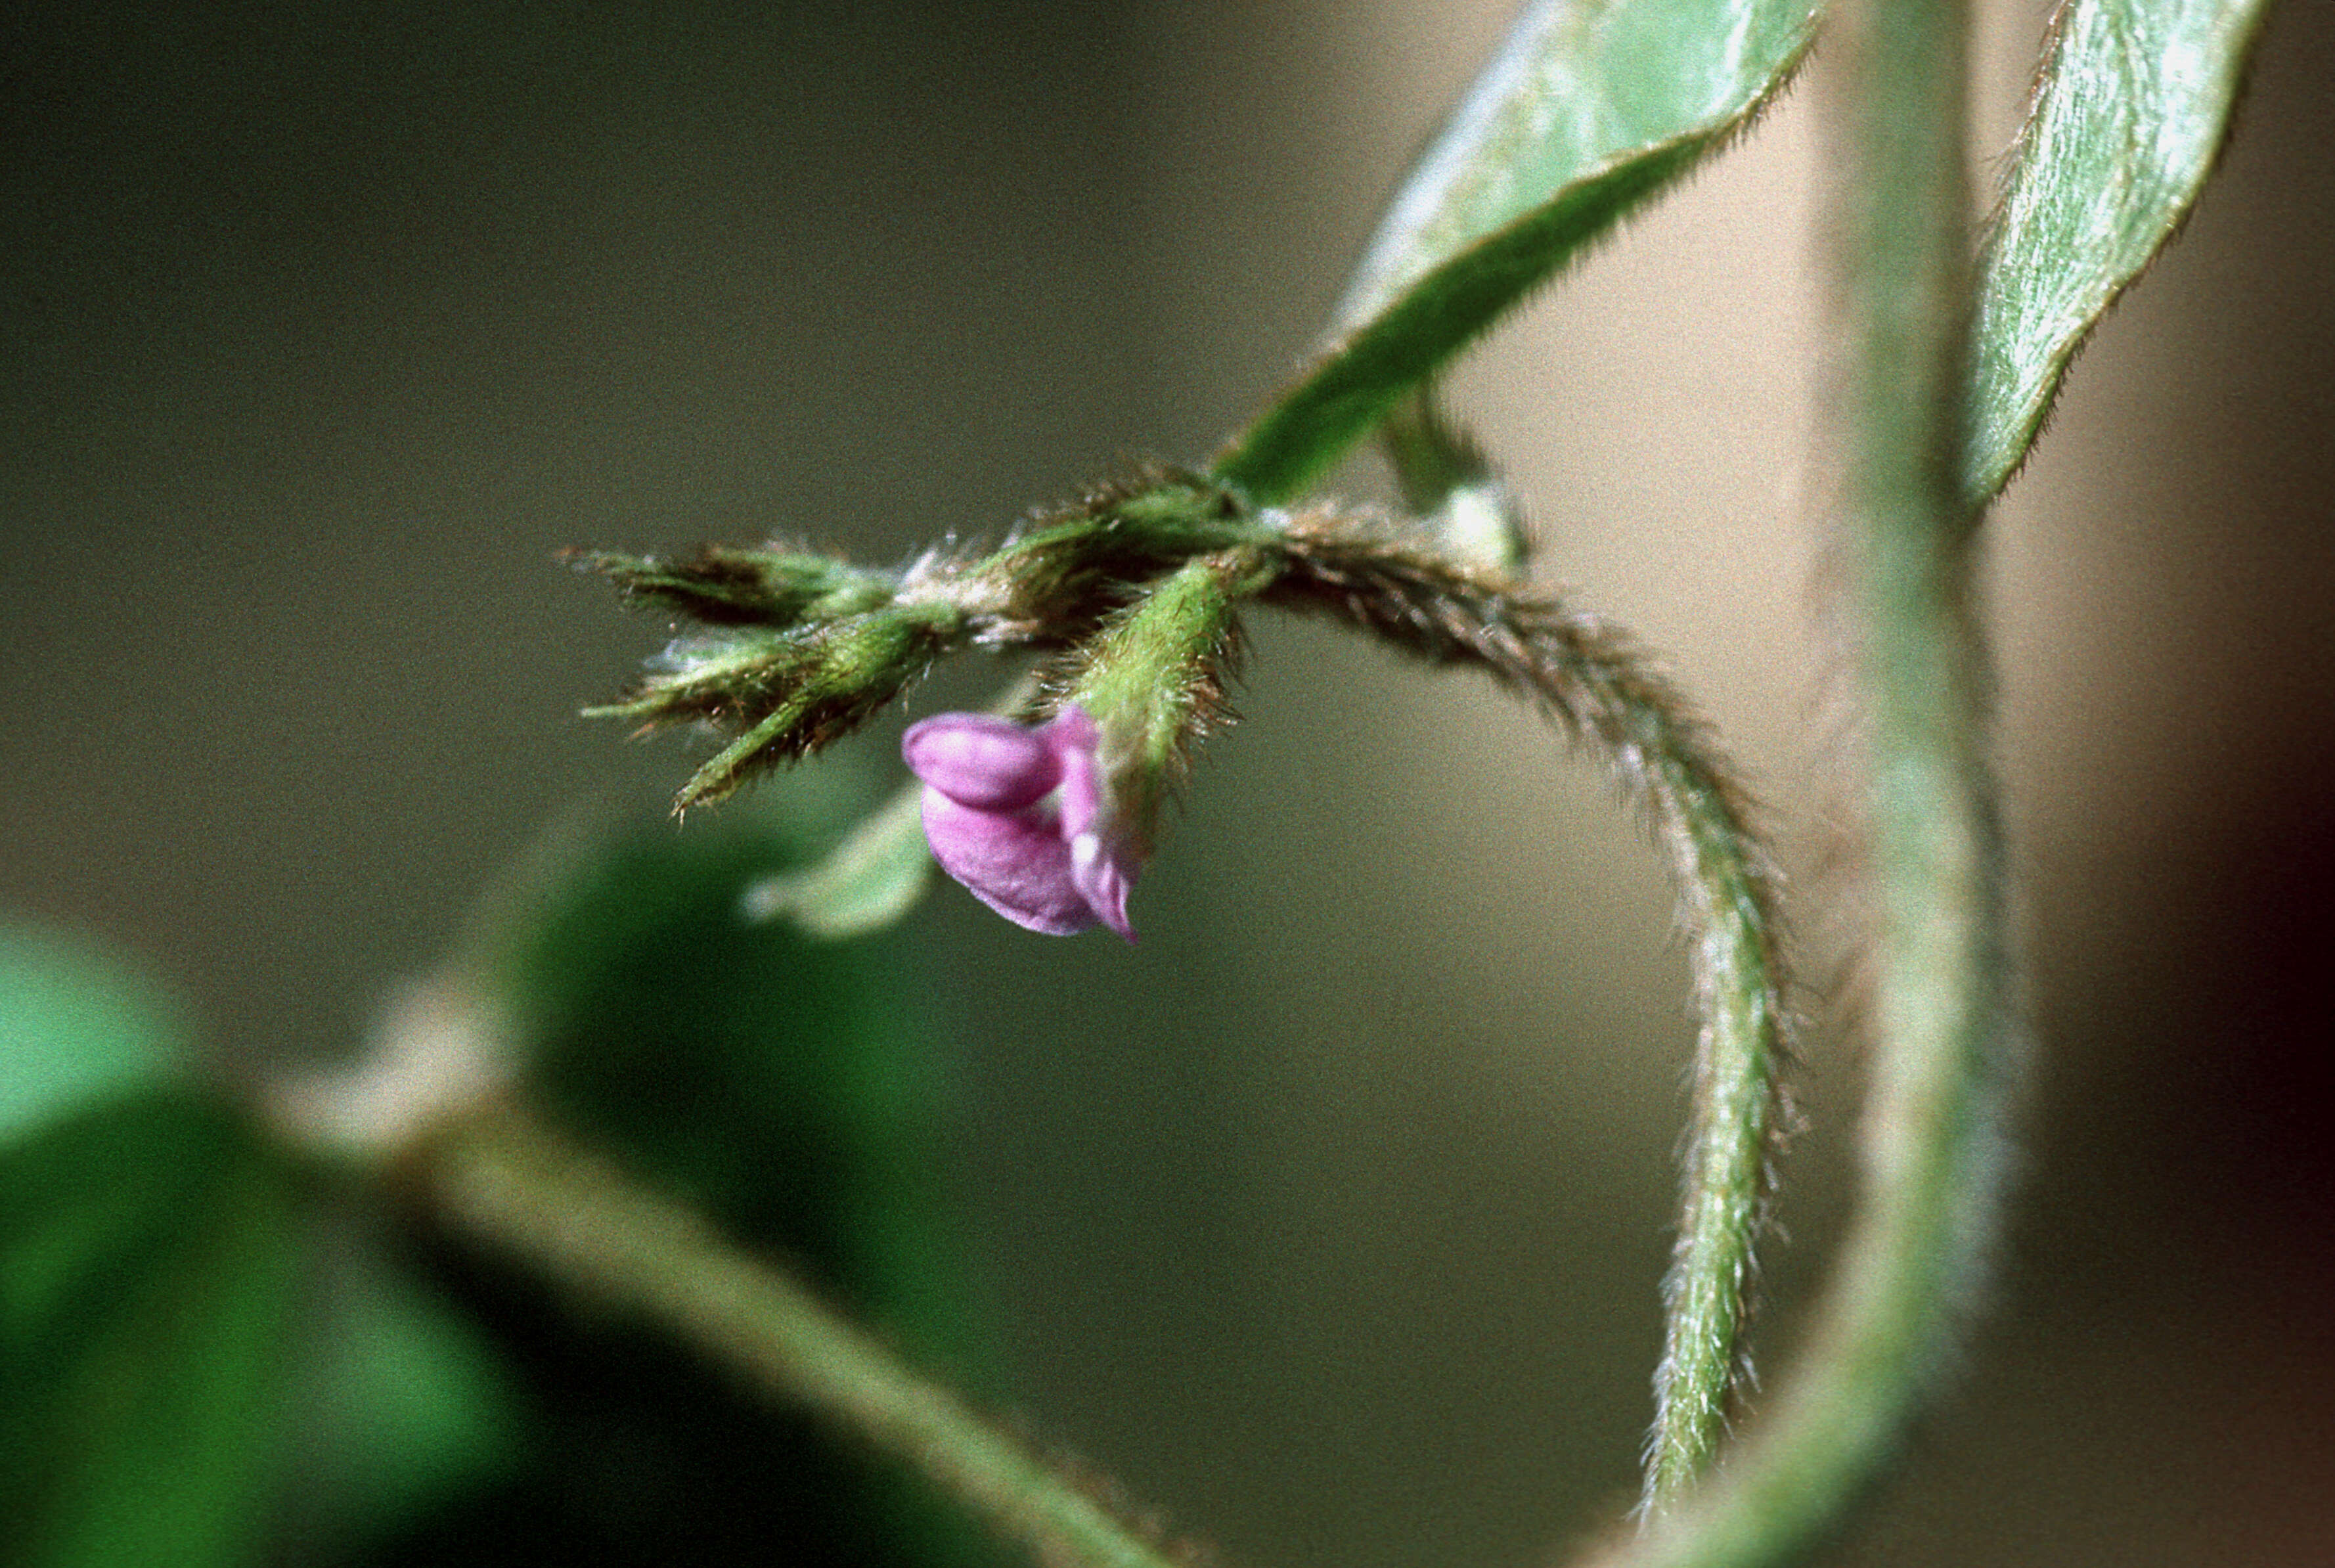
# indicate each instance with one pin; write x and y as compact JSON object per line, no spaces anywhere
{"x":1154,"y":677}
{"x":1068,"y":567}
{"x":782,"y":696}
{"x":730,"y":586}
{"x":829,"y":683}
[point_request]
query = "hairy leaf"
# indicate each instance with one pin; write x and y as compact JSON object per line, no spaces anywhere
{"x":2130,"y":111}
{"x":1587,"y":111}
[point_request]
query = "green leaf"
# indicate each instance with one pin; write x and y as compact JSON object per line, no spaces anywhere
{"x":768,"y":1078}
{"x":778,"y":1084}
{"x":877,"y":873}
{"x":1587,"y":111}
{"x":866,"y":883}
{"x":409,"y":1408}
{"x":2133,"y":108}
{"x":149,"y":1261}
{"x":75,"y":1026}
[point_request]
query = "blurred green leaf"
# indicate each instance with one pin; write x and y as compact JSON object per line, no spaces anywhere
{"x":405,"y":1408}
{"x":75,"y":1026}
{"x":877,"y":871}
{"x":1587,"y":111}
{"x":2133,"y":107}
{"x":149,"y":1261}
{"x":771,"y":1078}
{"x":778,"y":1082}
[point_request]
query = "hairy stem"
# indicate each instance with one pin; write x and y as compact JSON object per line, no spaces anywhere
{"x":513,"y":1185}
{"x":1942,"y":1015}
{"x":1594,"y":681}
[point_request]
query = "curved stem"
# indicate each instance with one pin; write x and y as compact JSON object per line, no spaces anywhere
{"x":515,"y":1185}
{"x":1942,"y":1014}
{"x":1594,"y":681}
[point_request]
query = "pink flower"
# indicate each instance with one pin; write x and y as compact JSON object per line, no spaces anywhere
{"x":1017,"y":814}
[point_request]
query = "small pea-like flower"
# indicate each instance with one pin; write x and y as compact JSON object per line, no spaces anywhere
{"x":1020,"y":816}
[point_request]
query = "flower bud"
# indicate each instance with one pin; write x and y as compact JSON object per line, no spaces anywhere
{"x":1050,"y":826}
{"x":1013,"y":813}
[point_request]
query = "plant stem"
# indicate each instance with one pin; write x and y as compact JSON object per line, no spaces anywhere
{"x":1587,"y":675}
{"x":1944,"y":1035}
{"x":514,"y":1185}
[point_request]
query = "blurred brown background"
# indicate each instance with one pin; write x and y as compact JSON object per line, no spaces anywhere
{"x":1329,"y":1218}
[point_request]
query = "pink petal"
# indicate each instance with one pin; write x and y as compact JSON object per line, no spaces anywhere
{"x":1071,"y":729}
{"x":1015,"y":862}
{"x":1100,"y":870}
{"x":1103,"y":875}
{"x":1081,"y":776}
{"x":1050,"y":865}
{"x":976,"y":760}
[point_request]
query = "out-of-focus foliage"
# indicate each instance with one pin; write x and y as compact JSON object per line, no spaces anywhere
{"x":148,"y":1267}
{"x":200,"y":1363}
{"x":776,"y":1083}
{"x":401,"y":1406}
{"x":75,"y":1026}
{"x":148,"y":1264}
